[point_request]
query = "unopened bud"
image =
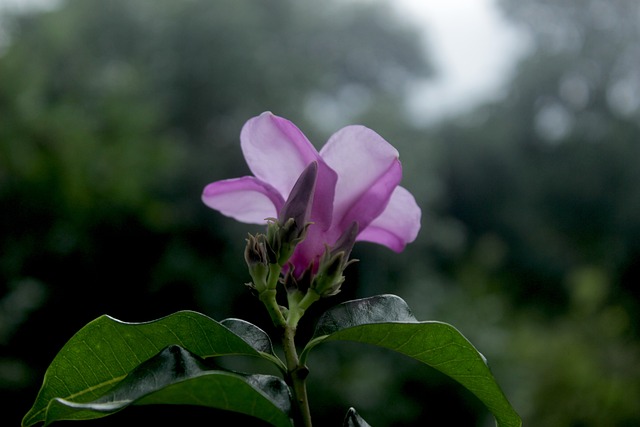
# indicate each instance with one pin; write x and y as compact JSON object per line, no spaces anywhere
{"x":294,"y":282}
{"x":255,"y":255}
{"x":346,"y":241}
{"x":298,"y":205}
{"x":329,"y":277}
{"x":284,"y":234}
{"x":273,"y":241}
{"x":290,"y":235}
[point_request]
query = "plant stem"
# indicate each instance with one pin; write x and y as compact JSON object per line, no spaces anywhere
{"x":297,"y":375}
{"x":268,"y":298}
{"x":296,"y":372}
{"x":298,"y":305}
{"x":274,"y":275}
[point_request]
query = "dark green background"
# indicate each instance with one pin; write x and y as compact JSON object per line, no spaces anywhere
{"x":115,"y":114}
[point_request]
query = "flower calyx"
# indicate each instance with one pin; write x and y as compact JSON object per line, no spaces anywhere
{"x":330,"y":275}
{"x":257,"y":260}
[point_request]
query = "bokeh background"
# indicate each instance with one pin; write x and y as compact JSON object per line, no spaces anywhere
{"x":115,"y":114}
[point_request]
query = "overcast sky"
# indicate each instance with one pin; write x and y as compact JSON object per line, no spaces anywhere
{"x":472,"y":46}
{"x":474,"y":49}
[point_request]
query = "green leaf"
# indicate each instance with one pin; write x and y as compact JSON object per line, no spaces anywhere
{"x":250,"y":333}
{"x":386,"y":321}
{"x":176,"y":376}
{"x":103,"y":352}
{"x":256,"y":338}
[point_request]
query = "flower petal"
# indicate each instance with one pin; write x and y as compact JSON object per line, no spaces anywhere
{"x":245,"y":199}
{"x":368,"y":171}
{"x":397,"y":225}
{"x":276,"y":150}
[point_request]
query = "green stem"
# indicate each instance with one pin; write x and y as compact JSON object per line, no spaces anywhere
{"x":298,"y":306}
{"x":274,"y":276}
{"x":296,"y":372}
{"x":268,"y":298}
{"x":297,"y":375}
{"x":310,"y":297}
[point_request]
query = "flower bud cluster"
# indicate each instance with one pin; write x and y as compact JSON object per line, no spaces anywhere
{"x":283,"y":237}
{"x":268,"y":255}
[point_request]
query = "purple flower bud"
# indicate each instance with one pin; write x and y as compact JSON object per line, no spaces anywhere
{"x":298,"y":205}
{"x":293,"y":220}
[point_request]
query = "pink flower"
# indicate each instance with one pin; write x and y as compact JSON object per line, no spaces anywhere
{"x":358,"y":173}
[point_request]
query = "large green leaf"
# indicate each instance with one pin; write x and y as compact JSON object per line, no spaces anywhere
{"x":386,"y":321}
{"x":255,"y":337}
{"x":176,"y":376}
{"x":250,"y":333}
{"x":103,"y":352}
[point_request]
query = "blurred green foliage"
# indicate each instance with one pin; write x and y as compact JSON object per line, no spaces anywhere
{"x":115,"y":114}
